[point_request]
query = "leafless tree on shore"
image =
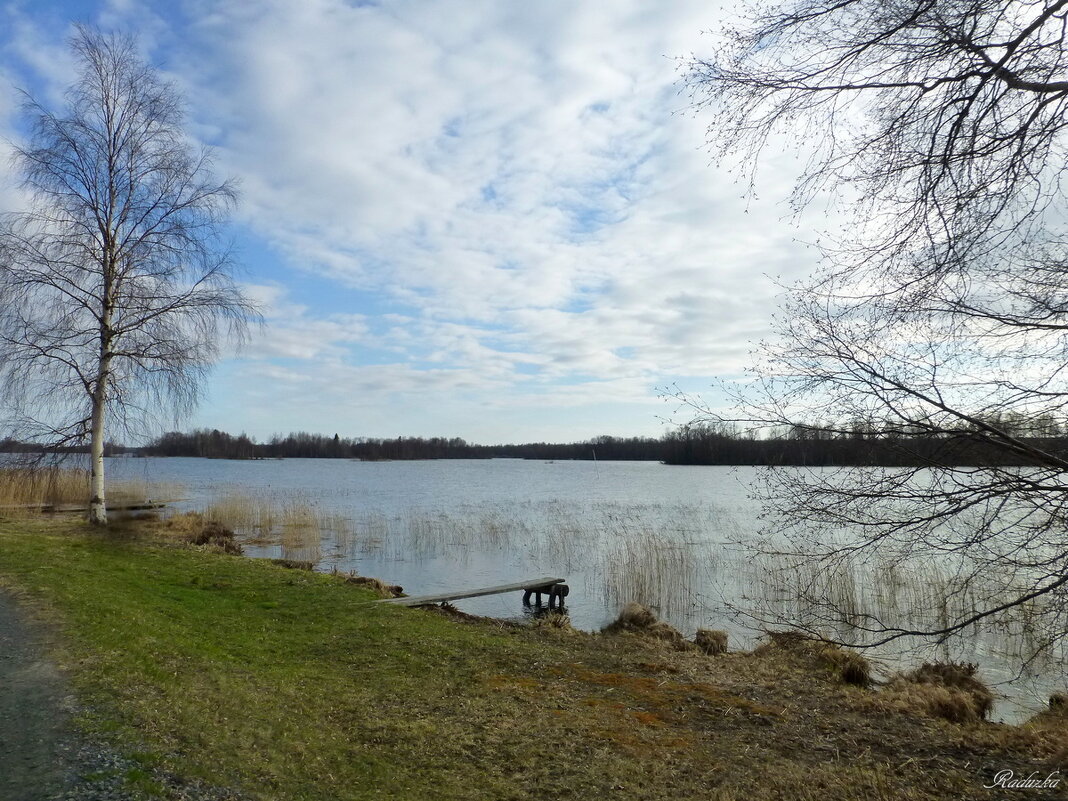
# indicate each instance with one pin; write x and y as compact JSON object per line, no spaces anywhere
{"x":941,"y":308}
{"x":115,"y":284}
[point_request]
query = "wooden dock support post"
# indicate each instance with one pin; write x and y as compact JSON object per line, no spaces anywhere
{"x":556,"y":593}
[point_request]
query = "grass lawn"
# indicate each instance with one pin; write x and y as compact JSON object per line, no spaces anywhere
{"x":290,"y":685}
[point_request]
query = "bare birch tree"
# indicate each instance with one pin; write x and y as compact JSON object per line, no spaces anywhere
{"x":114,"y":283}
{"x":941,"y":309}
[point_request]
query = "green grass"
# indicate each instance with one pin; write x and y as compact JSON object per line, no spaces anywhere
{"x":288,"y":684}
{"x":274,"y":677}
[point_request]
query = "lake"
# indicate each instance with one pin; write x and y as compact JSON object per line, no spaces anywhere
{"x":670,"y":537}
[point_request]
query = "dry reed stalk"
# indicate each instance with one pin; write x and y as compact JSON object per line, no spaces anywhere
{"x":29,"y":486}
{"x":653,"y":570}
{"x":301,"y":534}
{"x":243,"y":512}
{"x":292,"y":522}
{"x":34,"y":487}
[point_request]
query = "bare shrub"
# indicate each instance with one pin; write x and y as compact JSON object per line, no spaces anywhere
{"x":931,"y":337}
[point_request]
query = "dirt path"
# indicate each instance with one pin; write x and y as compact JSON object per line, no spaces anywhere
{"x":42,"y":756}
{"x":34,"y":711}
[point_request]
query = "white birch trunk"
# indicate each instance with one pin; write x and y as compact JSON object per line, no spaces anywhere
{"x":98,"y":512}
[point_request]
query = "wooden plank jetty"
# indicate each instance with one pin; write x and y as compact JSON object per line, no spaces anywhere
{"x":542,"y":584}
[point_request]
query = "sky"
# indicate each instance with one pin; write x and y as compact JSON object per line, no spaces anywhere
{"x":485,"y":219}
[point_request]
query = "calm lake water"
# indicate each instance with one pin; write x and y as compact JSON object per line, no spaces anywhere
{"x":665,"y":536}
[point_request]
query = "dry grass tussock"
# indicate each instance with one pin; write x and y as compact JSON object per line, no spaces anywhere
{"x":1053,"y":722}
{"x":187,"y":528}
{"x":380,"y":587}
{"x":293,"y":564}
{"x":554,"y":621}
{"x":711,"y":641}
{"x":942,"y":690}
{"x":849,"y":666}
{"x":243,"y":513}
{"x":639,"y":621}
{"x":1050,"y":727}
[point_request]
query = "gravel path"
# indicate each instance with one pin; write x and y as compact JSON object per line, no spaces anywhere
{"x":42,"y":757}
{"x":34,"y":709}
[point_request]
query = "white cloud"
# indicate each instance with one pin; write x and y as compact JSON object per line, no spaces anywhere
{"x":508,"y":180}
{"x":9,"y":196}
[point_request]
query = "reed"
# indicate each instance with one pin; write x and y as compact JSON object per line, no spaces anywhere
{"x":29,"y":486}
{"x":247,"y":514}
{"x":26,"y":489}
{"x":568,"y":538}
{"x":668,"y":557}
{"x":371,"y":532}
{"x":654,"y":570}
{"x":139,"y":491}
{"x":290,"y":521}
{"x":423,"y":535}
{"x":844,"y":600}
{"x":301,"y":533}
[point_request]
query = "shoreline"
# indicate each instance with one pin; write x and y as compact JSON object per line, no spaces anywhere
{"x":286,"y":682}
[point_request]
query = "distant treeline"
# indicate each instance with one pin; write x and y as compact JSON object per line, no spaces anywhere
{"x":697,"y":445}
{"x":215,"y":444}
{"x":827,"y":448}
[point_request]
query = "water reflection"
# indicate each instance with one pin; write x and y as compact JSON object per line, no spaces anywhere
{"x":671,"y":538}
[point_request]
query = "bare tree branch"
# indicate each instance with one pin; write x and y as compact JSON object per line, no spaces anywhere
{"x":941,"y":309}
